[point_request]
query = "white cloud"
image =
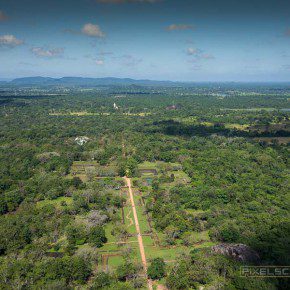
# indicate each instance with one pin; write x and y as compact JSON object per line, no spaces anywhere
{"x":49,"y":53}
{"x":105,"y":53}
{"x":10,"y":40}
{"x":99,"y":62}
{"x":126,"y":1}
{"x":3,"y":16}
{"x":92,"y":30}
{"x":198,"y":54}
{"x":130,"y":60}
{"x":207,"y":56}
{"x":193,"y":51}
{"x":173,"y":27}
{"x":196,"y":67}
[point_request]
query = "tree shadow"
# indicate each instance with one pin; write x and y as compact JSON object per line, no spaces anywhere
{"x":175,"y":128}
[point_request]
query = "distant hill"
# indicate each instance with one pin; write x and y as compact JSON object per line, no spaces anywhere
{"x":79,"y":81}
{"x":32,"y":80}
{"x":111,"y":81}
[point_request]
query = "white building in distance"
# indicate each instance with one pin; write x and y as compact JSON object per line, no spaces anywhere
{"x":82,"y":140}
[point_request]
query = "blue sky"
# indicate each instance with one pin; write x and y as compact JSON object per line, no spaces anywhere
{"x":183,"y":40}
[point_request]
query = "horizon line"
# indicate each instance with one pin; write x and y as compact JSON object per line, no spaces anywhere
{"x":144,"y":79}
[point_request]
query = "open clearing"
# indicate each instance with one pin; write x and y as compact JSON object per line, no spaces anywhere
{"x":143,"y":240}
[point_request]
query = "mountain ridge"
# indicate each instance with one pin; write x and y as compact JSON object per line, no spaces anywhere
{"x":86,"y":81}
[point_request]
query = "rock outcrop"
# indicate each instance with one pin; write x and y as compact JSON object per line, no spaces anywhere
{"x":239,"y":252}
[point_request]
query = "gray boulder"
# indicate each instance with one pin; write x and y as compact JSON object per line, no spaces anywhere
{"x":239,"y":252}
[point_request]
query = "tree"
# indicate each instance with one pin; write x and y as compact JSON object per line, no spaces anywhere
{"x":97,"y":236}
{"x":3,"y":205}
{"x":75,"y":235}
{"x":131,"y":167}
{"x":88,"y":253}
{"x":125,"y":271}
{"x":156,"y":270}
{"x":138,"y":282}
{"x":179,"y":277}
{"x":101,"y":280}
{"x":172,"y":233}
{"x":96,"y":218}
{"x":120,"y":231}
{"x":128,"y":167}
{"x":77,"y":182}
{"x":155,"y":185}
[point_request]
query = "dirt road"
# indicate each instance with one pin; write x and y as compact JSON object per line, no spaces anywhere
{"x":140,"y":240}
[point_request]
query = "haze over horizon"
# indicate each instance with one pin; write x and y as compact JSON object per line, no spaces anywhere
{"x":146,"y":39}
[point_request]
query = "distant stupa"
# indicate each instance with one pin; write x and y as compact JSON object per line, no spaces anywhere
{"x":116,"y":107}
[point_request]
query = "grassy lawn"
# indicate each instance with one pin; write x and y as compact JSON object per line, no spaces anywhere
{"x":252,"y":109}
{"x":236,"y":126}
{"x":110,"y":248}
{"x":143,"y":223}
{"x":179,"y":174}
{"x":205,"y":245}
{"x":78,"y":114}
{"x":148,"y":165}
{"x":108,"y":229}
{"x":147,"y":241}
{"x":144,"y":227}
{"x":168,"y":254}
{"x":78,"y":163}
{"x":82,"y":167}
{"x":56,"y":202}
{"x":133,"y":242}
{"x":193,"y":120}
{"x":83,"y":177}
{"x":129,"y":220}
{"x":137,"y":114}
{"x":115,"y":261}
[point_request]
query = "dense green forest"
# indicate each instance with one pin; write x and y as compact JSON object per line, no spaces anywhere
{"x":209,"y":166}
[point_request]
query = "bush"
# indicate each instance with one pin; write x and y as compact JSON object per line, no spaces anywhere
{"x":101,"y":280}
{"x":157,"y":269}
{"x":97,"y":236}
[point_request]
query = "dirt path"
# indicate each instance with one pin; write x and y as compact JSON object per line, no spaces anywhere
{"x":140,"y":240}
{"x":130,"y":219}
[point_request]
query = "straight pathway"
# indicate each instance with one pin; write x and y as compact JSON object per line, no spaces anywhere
{"x":140,"y":240}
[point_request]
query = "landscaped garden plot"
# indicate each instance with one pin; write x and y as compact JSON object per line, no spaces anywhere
{"x":112,"y":253}
{"x":92,"y":169}
{"x":115,"y":261}
{"x":80,"y":166}
{"x":148,"y":165}
{"x":143,"y":222}
{"x":129,"y":220}
{"x":78,"y":114}
{"x":155,"y":244}
{"x":168,"y":254}
{"x":169,"y":174}
{"x":273,"y":140}
{"x":148,"y":172}
{"x":59,"y":202}
{"x":148,"y":241}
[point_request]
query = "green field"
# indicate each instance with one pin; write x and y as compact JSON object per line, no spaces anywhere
{"x":59,"y":202}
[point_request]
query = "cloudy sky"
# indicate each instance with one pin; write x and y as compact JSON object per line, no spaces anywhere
{"x":188,"y":40}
